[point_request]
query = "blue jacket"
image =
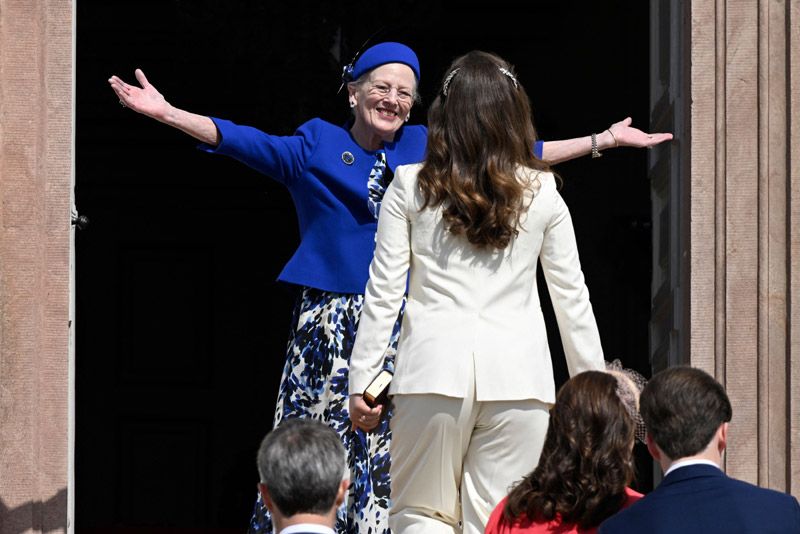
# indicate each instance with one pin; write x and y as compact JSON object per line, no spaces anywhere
{"x":702,"y":499}
{"x":337,"y":229}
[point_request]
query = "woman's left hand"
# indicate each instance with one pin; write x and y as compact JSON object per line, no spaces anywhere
{"x":626,"y":135}
{"x":362,"y":416}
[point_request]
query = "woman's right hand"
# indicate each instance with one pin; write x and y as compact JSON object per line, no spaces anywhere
{"x":145,"y":99}
{"x":362,"y":416}
{"x":148,"y":101}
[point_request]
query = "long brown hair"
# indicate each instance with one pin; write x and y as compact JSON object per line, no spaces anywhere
{"x":479,"y":133}
{"x":586,"y":461}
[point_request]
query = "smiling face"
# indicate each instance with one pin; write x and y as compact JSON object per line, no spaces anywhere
{"x":382,"y":101}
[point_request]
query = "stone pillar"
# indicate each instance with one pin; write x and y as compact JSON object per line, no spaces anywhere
{"x":36,"y":176}
{"x":745,"y":213}
{"x":793,"y":223}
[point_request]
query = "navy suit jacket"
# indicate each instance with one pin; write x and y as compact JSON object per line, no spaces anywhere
{"x":702,"y":499}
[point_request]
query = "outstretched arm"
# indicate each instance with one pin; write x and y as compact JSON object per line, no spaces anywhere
{"x":567,"y":287}
{"x":149,"y":102}
{"x":618,"y":134}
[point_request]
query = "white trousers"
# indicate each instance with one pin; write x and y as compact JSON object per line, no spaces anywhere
{"x":453,"y":460}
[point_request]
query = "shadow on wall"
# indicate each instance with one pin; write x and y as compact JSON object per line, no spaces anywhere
{"x":39,"y":516}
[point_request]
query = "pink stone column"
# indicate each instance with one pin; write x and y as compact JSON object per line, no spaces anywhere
{"x":36,"y":177}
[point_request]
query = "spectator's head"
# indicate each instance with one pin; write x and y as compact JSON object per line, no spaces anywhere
{"x":302,"y":465}
{"x":586,"y":460}
{"x":684,"y":409}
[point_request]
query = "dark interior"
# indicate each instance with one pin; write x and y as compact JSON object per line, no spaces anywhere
{"x":181,"y":327}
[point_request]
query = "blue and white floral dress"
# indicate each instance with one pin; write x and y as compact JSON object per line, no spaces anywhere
{"x":337,"y":188}
{"x":314,"y":386}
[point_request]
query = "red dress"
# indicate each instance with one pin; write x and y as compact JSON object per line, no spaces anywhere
{"x":523,"y":525}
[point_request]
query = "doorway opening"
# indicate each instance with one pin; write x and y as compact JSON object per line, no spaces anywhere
{"x":181,"y":328}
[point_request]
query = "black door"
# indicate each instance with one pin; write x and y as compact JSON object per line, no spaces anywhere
{"x":180,"y":326}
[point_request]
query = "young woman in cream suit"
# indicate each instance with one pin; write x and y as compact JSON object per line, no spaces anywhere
{"x":462,"y":232}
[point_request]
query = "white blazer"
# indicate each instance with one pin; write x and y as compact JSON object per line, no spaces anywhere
{"x":470,"y":306}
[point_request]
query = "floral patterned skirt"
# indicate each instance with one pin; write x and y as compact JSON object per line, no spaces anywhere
{"x":314,"y":385}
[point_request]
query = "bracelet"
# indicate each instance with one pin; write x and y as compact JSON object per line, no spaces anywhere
{"x":595,"y":153}
{"x":616,"y":143}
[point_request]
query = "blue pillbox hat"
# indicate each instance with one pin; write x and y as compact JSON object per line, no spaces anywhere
{"x":384,"y":53}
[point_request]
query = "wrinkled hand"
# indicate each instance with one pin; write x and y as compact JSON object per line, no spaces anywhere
{"x":362,"y":416}
{"x":145,"y":99}
{"x":626,"y":135}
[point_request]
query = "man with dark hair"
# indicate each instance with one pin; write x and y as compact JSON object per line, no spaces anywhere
{"x":687,"y":413}
{"x":304,"y":477}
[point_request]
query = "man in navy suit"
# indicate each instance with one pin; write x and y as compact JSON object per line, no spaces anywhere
{"x":304,"y":476}
{"x":687,"y":413}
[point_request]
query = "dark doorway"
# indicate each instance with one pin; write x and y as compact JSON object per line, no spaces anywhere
{"x":180,"y":325}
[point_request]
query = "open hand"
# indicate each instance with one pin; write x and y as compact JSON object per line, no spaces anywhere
{"x":145,"y":99}
{"x":626,"y":135}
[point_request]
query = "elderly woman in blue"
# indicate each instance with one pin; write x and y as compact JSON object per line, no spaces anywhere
{"x":337,"y":176}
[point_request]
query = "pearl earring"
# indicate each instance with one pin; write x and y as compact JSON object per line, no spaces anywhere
{"x":408,"y":116}
{"x":352,"y":103}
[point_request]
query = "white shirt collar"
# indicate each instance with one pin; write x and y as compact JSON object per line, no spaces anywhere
{"x":685,"y":463}
{"x":307,"y":527}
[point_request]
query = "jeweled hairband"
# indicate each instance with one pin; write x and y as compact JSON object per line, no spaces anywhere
{"x":454,"y":71}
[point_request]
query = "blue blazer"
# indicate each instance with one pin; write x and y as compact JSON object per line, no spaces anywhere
{"x":327,"y":174}
{"x":702,"y":499}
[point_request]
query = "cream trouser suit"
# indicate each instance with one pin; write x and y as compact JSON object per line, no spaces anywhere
{"x":473,"y":377}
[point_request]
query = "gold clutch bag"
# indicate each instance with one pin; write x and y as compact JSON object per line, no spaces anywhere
{"x":378,"y":390}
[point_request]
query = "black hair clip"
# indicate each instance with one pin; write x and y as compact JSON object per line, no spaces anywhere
{"x":347,"y":73}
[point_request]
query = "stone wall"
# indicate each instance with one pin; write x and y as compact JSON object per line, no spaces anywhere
{"x":745,"y":206}
{"x":36,"y":175}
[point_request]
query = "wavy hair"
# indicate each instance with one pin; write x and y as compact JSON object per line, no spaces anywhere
{"x":480,"y":132}
{"x":586,"y":461}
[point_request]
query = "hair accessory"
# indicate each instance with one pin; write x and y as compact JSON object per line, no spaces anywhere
{"x":448,"y":80}
{"x":508,"y":73}
{"x":629,"y":385}
{"x":595,"y":153}
{"x":347,"y":70}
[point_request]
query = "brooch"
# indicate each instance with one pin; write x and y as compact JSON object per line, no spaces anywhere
{"x":348,"y":158}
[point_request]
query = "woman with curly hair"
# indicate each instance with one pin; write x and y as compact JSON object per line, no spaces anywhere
{"x":585,"y":466}
{"x":465,"y":231}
